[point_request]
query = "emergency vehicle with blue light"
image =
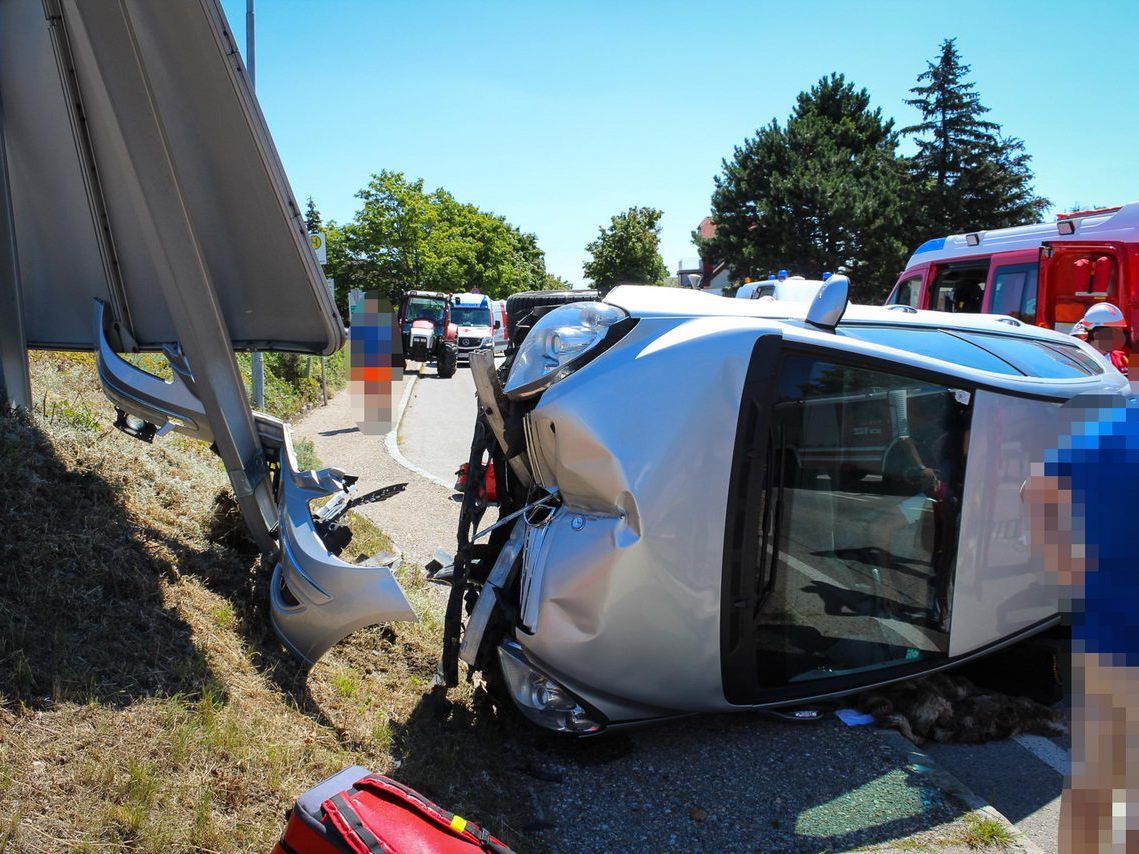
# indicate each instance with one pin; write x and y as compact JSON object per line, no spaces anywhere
{"x":1047,"y":274}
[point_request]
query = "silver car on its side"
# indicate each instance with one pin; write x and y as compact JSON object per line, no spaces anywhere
{"x":709,"y":504}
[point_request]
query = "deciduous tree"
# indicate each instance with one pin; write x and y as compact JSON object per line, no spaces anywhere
{"x":823,"y":192}
{"x":404,"y":238}
{"x":627,"y":251}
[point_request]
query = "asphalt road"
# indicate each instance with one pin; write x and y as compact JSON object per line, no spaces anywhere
{"x":1020,"y":778}
{"x":439,"y":421}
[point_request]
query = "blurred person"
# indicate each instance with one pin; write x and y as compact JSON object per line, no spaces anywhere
{"x":1078,"y":501}
{"x":1107,"y":332}
{"x":376,"y":362}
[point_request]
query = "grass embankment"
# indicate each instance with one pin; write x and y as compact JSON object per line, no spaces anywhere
{"x":144,"y":702}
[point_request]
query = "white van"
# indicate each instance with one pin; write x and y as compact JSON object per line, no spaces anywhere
{"x":793,"y":289}
{"x":498,"y":312}
{"x":471,"y":313}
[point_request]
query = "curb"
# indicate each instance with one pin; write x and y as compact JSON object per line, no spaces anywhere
{"x":391,"y":441}
{"x":948,"y":783}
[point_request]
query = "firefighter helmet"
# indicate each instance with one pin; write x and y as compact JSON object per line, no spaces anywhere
{"x":1103,"y":314}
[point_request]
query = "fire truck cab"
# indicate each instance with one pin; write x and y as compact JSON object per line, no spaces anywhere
{"x":1046,"y":274}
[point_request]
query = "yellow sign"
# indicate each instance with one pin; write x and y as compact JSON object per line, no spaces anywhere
{"x":318,"y":246}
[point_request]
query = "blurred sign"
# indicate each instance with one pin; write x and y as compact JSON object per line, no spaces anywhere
{"x":319,"y":247}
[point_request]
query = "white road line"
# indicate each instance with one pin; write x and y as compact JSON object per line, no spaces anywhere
{"x":391,"y":440}
{"x":1047,"y":751}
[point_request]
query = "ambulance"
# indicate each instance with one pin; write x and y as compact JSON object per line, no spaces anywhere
{"x":473,"y":314}
{"x":1047,"y":274}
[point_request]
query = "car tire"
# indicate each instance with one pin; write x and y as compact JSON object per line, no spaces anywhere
{"x":518,"y":306}
{"x":448,"y":360}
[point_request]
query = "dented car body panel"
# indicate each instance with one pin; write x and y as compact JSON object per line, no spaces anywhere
{"x":695,"y":563}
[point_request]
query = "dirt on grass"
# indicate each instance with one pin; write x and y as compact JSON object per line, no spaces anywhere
{"x":145,"y":703}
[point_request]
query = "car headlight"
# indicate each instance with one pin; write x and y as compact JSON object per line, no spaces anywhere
{"x":541,"y":699}
{"x":561,"y":342}
{"x":487,"y":342}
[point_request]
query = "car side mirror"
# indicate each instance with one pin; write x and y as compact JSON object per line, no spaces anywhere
{"x":498,"y":324}
{"x":830,"y":303}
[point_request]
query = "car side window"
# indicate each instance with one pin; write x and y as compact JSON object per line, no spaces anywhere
{"x":907,"y":293}
{"x":1014,"y":291}
{"x":960,"y":286}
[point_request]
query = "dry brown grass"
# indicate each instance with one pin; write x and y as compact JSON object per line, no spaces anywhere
{"x":144,"y":703}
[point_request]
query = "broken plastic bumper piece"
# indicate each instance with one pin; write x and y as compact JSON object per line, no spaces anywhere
{"x":315,"y":598}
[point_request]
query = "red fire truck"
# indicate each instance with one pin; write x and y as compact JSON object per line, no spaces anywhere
{"x":1046,"y":274}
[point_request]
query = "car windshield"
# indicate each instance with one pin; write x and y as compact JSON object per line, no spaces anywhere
{"x":419,"y":308}
{"x":853,"y":542}
{"x":470,"y":315}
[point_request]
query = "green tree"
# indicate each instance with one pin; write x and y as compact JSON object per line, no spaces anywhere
{"x":406,"y":238}
{"x":822,"y":193}
{"x":627,"y":251}
{"x":966,"y":174}
{"x":313,"y":221}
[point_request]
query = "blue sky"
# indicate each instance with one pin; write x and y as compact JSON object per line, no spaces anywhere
{"x":559,"y":115}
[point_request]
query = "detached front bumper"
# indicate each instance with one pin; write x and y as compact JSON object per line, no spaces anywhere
{"x":315,"y":598}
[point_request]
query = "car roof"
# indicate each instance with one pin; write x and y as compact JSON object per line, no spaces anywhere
{"x":649,"y":301}
{"x":106,"y":109}
{"x":789,"y":319}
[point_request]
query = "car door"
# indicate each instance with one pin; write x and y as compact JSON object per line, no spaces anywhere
{"x":851,"y":542}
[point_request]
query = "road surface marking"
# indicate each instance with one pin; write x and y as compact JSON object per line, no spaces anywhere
{"x":391,"y":441}
{"x":1047,"y":751}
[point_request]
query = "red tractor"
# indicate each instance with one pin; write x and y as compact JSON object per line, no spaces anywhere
{"x":428,"y":333}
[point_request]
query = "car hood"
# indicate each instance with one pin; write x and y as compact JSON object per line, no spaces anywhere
{"x":107,"y":105}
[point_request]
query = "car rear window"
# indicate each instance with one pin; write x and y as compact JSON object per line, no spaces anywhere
{"x":1037,"y":358}
{"x":932,"y":342}
{"x":1001,"y":354}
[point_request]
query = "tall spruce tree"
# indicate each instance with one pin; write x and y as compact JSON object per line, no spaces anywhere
{"x":966,"y":174}
{"x":822,"y":193}
{"x":313,"y":222}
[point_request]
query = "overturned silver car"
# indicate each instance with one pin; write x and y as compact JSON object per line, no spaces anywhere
{"x":710,"y":504}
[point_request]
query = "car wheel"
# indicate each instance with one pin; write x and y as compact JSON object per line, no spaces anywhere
{"x":448,"y":360}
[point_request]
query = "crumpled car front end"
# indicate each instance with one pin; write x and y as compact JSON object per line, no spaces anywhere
{"x":616,"y":594}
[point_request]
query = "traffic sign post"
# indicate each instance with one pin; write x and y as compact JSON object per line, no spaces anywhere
{"x":316,"y":239}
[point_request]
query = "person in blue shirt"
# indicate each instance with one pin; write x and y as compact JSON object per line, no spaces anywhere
{"x":1081,"y":500}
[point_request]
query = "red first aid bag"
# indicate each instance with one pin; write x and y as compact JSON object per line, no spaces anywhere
{"x":357,"y":812}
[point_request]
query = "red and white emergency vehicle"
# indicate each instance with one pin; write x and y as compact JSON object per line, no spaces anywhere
{"x":1047,"y":274}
